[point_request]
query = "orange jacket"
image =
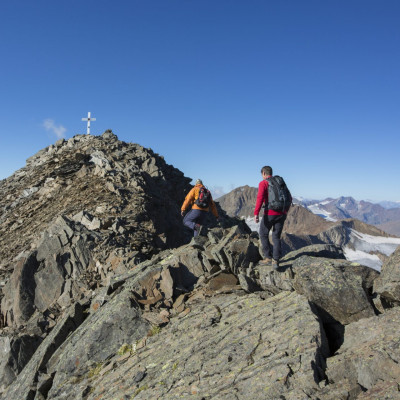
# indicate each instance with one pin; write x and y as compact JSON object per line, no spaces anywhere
{"x":192,"y":196}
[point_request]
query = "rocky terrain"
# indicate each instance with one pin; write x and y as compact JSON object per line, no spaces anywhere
{"x":106,"y":296}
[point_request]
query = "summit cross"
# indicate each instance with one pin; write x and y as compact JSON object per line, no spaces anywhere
{"x":88,"y":119}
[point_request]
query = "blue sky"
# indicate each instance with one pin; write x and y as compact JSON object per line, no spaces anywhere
{"x":219,"y":88}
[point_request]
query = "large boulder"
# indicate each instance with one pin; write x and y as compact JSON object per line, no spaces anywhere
{"x":367,"y":364}
{"x":337,"y":287}
{"x":341,"y":290}
{"x":388,"y":283}
{"x":118,"y":322}
{"x":50,"y":276}
{"x":17,"y":305}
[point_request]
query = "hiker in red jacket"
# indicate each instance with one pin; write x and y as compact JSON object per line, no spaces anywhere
{"x":195,"y":218}
{"x":271,"y":219}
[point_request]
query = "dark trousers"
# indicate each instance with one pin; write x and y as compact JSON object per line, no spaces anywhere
{"x":276,"y":223}
{"x":194,"y":217}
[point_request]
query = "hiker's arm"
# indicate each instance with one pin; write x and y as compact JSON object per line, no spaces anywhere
{"x":260,"y":199}
{"x":214,"y":209}
{"x":188,"y":201}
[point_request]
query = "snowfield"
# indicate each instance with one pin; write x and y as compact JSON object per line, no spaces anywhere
{"x":361,"y":245}
{"x":321,"y":212}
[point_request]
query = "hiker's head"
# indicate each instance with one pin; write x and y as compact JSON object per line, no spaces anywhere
{"x":199,"y":182}
{"x":266,"y":171}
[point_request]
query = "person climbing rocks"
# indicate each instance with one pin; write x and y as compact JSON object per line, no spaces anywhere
{"x":274,"y":194}
{"x":200,"y":200}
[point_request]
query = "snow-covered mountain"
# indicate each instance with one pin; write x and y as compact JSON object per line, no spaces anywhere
{"x":389,"y":204}
{"x":347,"y":207}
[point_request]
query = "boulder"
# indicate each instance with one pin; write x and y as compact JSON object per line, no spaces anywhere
{"x":275,"y":281}
{"x":44,"y":277}
{"x":367,"y":364}
{"x":116,"y":323}
{"x":387,"y":285}
{"x":24,"y":386}
{"x":15,"y":354}
{"x":337,"y":287}
{"x":17,"y":305}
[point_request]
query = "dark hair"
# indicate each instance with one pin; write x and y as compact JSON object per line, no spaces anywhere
{"x":267,"y":170}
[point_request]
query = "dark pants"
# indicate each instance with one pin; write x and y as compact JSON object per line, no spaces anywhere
{"x":276,"y":223}
{"x":194,"y":217}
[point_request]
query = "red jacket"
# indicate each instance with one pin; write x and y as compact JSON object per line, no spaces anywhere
{"x":262,"y":198}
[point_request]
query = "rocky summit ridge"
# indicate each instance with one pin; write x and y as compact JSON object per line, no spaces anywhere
{"x":104,"y":294}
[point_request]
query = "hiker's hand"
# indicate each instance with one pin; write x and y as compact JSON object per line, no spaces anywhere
{"x":256,"y":219}
{"x":182,"y":213}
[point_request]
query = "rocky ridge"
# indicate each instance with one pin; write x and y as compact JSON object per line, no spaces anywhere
{"x":87,"y":317}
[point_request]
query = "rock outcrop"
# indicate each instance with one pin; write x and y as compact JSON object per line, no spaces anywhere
{"x":387,"y":285}
{"x":105,"y":304}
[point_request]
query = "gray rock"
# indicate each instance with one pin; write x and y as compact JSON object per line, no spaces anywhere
{"x":368,"y":359}
{"x":15,"y":354}
{"x":248,"y":284}
{"x":17,"y":305}
{"x":336,"y":286}
{"x":101,"y":335}
{"x":24,"y":387}
{"x":387,"y":285}
{"x":230,"y":347}
{"x":275,"y":281}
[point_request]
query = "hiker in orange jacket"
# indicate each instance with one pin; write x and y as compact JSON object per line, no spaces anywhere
{"x":195,"y":218}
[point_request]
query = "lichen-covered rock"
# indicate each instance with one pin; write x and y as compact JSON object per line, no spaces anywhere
{"x":17,"y":305}
{"x":231,"y":346}
{"x":15,"y":354}
{"x":51,"y":274}
{"x":369,"y":359}
{"x":388,"y":283}
{"x":338,"y":287}
{"x":275,"y":281}
{"x":101,"y":335}
{"x":24,"y":386}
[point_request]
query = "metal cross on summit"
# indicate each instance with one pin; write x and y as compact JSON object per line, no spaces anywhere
{"x":88,"y":119}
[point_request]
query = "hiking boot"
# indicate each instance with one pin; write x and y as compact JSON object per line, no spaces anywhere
{"x":198,"y":228}
{"x":275,"y":264}
{"x":266,"y":261}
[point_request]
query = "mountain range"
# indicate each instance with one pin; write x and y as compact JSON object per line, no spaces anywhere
{"x":241,"y":201}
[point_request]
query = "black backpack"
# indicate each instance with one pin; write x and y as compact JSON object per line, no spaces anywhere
{"x":204,"y":197}
{"x":279,"y":197}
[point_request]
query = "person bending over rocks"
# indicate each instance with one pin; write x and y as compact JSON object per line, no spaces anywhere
{"x":200,"y":201}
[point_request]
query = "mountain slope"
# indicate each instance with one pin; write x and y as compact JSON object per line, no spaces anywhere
{"x":101,"y":304}
{"x":113,"y":181}
{"x":239,"y":202}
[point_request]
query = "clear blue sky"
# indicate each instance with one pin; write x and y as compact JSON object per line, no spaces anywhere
{"x":219,"y":88}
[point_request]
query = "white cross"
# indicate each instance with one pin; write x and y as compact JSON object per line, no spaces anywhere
{"x":88,"y":119}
